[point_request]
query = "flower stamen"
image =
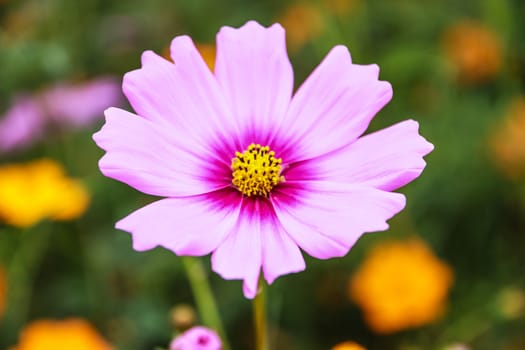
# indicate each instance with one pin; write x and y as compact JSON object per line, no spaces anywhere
{"x":256,"y":171}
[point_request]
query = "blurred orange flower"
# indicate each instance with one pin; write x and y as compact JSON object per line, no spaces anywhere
{"x":69,"y":334}
{"x":401,"y":285}
{"x":3,"y":291}
{"x":348,"y":345}
{"x":302,"y":22}
{"x":39,"y":189}
{"x":508,"y":142}
{"x":207,"y":52}
{"x":474,"y":51}
{"x":343,"y":7}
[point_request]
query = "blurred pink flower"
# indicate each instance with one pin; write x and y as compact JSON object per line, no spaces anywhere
{"x":81,"y":104}
{"x":21,"y":123}
{"x":197,"y":338}
{"x":64,"y":104}
{"x":251,"y":172}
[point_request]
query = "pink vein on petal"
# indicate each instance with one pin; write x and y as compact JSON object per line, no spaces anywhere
{"x":255,"y":73}
{"x":325,"y":219}
{"x":182,"y":96}
{"x":149,"y":158}
{"x":193,"y":225}
{"x":333,"y":107}
{"x":386,"y":159}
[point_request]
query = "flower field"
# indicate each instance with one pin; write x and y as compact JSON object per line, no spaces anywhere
{"x":262,"y":175}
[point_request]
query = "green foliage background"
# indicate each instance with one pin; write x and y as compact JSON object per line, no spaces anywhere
{"x":469,"y":213}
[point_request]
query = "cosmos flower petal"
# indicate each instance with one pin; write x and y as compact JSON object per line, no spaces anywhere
{"x":183,"y":96}
{"x":193,"y":225}
{"x":338,"y":99}
{"x":253,"y":68}
{"x":280,"y":254}
{"x":326,"y":218}
{"x":148,"y":158}
{"x":240,"y":254}
{"x":147,"y":86}
{"x":191,"y":66}
{"x":387,"y":159}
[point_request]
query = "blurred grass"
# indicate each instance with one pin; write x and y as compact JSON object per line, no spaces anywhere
{"x":463,"y":205}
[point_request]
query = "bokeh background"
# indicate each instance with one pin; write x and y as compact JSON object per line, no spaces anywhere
{"x":449,"y":274}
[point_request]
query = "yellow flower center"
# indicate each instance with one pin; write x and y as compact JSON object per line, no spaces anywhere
{"x":256,"y":171}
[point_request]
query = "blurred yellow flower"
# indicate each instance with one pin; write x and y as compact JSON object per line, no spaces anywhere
{"x":348,"y":345}
{"x":3,"y":291}
{"x":39,"y":189}
{"x":474,"y":51}
{"x":508,"y":142}
{"x":511,"y":302}
{"x":303,"y":22}
{"x":401,"y":285}
{"x":68,"y":334}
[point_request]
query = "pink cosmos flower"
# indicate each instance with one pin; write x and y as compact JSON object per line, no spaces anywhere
{"x":64,"y":105}
{"x":80,"y":104}
{"x":251,"y":173}
{"x":197,"y":338}
{"x":23,"y":122}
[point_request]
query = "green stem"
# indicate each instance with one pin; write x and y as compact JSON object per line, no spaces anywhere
{"x":259,"y":318}
{"x":204,"y":297}
{"x":21,"y":275}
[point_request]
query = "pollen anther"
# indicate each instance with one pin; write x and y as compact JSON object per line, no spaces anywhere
{"x":256,"y":171}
